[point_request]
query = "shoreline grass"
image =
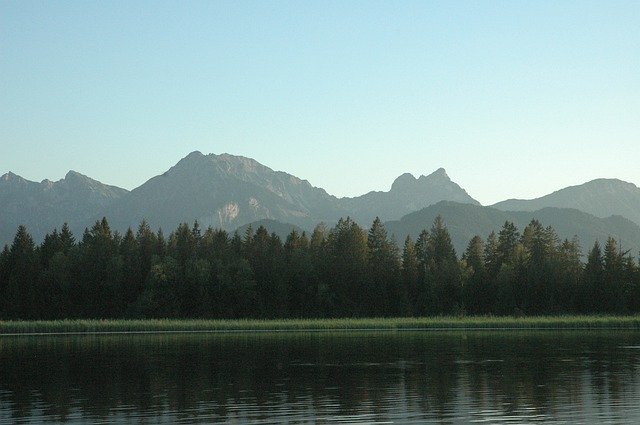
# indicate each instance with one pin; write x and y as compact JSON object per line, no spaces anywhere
{"x":302,"y":325}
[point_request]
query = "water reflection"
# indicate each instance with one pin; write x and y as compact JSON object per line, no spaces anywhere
{"x":458,"y":377}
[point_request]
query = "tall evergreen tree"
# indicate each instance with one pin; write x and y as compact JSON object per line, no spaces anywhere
{"x":301,"y":281}
{"x":347,"y":255}
{"x":96,"y":290}
{"x":131,"y":279}
{"x":475,"y":289}
{"x":383,"y":291}
{"x":507,"y":242}
{"x":567,"y":274}
{"x":410,"y":274}
{"x":443,"y":269}
{"x":592,"y":292}
{"x":424,"y":302}
{"x":22,"y":268}
{"x":614,"y":284}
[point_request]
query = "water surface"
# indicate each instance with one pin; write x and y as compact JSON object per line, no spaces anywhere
{"x":363,"y":377}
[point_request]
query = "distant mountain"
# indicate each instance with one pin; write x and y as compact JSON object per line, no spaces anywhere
{"x":407,"y":195}
{"x":601,"y":197}
{"x":464,"y":221}
{"x":228,"y":191}
{"x":223,"y":191}
{"x":76,"y":199}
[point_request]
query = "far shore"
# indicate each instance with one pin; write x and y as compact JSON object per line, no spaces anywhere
{"x":98,"y":326}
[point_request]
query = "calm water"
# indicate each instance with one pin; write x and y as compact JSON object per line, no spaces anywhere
{"x":401,"y":377}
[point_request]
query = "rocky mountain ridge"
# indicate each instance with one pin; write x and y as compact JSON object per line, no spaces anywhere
{"x":229,"y":191}
{"x":76,"y":199}
{"x":600,"y":197}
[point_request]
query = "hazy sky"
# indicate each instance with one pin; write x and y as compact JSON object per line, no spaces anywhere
{"x":513,"y":98}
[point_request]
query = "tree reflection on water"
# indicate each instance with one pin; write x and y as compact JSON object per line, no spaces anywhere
{"x":297,"y":377}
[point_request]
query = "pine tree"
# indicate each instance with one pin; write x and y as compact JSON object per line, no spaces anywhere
{"x":410,"y":274}
{"x":507,"y":242}
{"x":95,"y":291}
{"x":444,"y":269}
{"x":347,"y":259}
{"x":132,"y":280}
{"x":614,"y":285}
{"x":491,"y":256}
{"x":383,"y":290}
{"x":301,"y":282}
{"x":22,"y":268}
{"x":475,"y":290}
{"x":593,"y":291}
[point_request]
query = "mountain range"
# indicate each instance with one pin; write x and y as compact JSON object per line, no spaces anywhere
{"x":76,"y":199}
{"x":228,"y":191}
{"x":600,"y":197}
{"x":465,"y":221}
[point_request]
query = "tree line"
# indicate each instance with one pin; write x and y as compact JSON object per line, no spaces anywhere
{"x":344,"y":271}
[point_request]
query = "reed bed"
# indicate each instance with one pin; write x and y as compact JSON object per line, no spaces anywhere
{"x":251,"y":325}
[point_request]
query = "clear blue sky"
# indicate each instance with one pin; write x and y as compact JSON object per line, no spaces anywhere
{"x":513,"y":98}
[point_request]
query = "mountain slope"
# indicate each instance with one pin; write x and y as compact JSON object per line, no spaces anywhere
{"x":222,"y":191}
{"x":76,"y":199}
{"x":229,"y":191}
{"x":600,"y":197}
{"x":465,"y":221}
{"x":407,"y":195}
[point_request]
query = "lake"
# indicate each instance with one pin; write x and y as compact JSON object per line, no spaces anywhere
{"x":454,"y":377}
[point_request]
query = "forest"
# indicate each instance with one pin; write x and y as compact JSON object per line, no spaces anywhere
{"x":343,"y":271}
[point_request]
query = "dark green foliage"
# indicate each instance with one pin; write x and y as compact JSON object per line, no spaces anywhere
{"x":591,"y":293}
{"x":345,"y":269}
{"x":21,"y":269}
{"x":384,"y":290}
{"x":443,"y":271}
{"x":341,"y":272}
{"x":410,"y":273}
{"x":476,"y":292}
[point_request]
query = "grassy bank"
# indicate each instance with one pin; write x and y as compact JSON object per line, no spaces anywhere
{"x":426,"y":323}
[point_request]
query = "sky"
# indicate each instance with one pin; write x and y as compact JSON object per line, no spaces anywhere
{"x":515,"y":99}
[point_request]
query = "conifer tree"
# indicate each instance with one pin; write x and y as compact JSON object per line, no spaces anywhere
{"x":410,"y":274}
{"x":383,"y":291}
{"x":22,"y":268}
{"x":475,"y":289}
{"x":593,"y":292}
{"x":347,"y":255}
{"x":443,"y":269}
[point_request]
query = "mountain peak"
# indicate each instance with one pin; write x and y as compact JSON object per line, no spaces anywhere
{"x":440,"y":173}
{"x":73,"y":177}
{"x":11,"y":177}
{"x":407,"y":180}
{"x":195,"y":154}
{"x":192,"y":157}
{"x":403,"y":181}
{"x":600,"y":197}
{"x":7,"y":176}
{"x":611,"y":184}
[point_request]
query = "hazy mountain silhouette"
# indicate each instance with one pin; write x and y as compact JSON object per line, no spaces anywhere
{"x":222,"y":191}
{"x":228,"y":191}
{"x":465,"y":221}
{"x":407,"y":194}
{"x":76,"y":199}
{"x":600,"y":197}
